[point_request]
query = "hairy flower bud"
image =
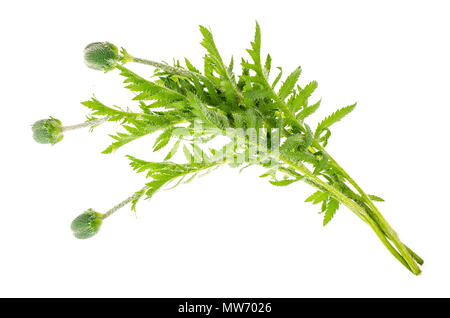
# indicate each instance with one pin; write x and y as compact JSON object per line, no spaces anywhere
{"x":47,"y":131}
{"x":87,"y":224}
{"x":101,"y":56}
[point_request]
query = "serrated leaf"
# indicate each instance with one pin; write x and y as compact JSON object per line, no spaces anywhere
{"x":189,"y":156}
{"x":277,"y":79}
{"x":256,"y":93}
{"x":163,"y":139}
{"x":321,"y":165}
{"x":308,"y":111}
{"x":301,"y":99}
{"x":282,"y":183}
{"x":269,"y":173}
{"x":289,"y":84}
{"x":267,"y":65}
{"x":317,"y":197}
{"x":332,"y":207}
{"x":333,"y":118}
{"x":375,"y":198}
{"x":173,"y":150}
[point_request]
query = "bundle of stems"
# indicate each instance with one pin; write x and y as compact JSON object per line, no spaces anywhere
{"x":262,"y":118}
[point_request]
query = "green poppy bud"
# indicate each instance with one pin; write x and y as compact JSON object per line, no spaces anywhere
{"x":101,"y":56}
{"x":47,"y":131}
{"x":87,"y":224}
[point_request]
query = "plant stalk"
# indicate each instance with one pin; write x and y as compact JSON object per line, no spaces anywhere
{"x":410,"y":258}
{"x":89,"y":123}
{"x":123,"y":203}
{"x":374,"y":219}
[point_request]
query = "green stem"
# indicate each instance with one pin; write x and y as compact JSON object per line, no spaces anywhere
{"x":313,"y":180}
{"x":382,"y":223}
{"x":165,"y":67}
{"x":89,"y":123}
{"x":172,"y":69}
{"x":382,"y":229}
{"x":123,"y":203}
{"x":391,"y":234}
{"x":186,"y":73}
{"x":355,"y":208}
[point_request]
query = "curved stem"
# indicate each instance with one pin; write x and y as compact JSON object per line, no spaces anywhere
{"x":123,"y":203}
{"x":390,"y":233}
{"x":405,"y":252}
{"x":355,"y":208}
{"x":171,"y":69}
{"x":374,"y":219}
{"x":85,"y":124}
{"x":313,"y":180}
{"x":185,"y":73}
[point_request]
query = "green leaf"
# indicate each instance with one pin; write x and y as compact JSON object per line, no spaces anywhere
{"x":190,"y":67}
{"x":189,"y":156}
{"x":163,"y":139}
{"x":282,"y":183}
{"x":256,"y":93}
{"x":209,"y":115}
{"x":277,"y":79}
{"x":114,"y":114}
{"x":148,"y":90}
{"x":307,"y":111}
{"x":321,"y":165}
{"x":333,"y":118}
{"x":375,"y":198}
{"x":255,"y":51}
{"x":124,"y":138}
{"x":163,"y":173}
{"x":173,"y":150}
{"x":317,"y":197}
{"x":267,"y":65}
{"x":332,"y":207}
{"x":214,"y":55}
{"x":289,"y":84}
{"x":292,"y":143}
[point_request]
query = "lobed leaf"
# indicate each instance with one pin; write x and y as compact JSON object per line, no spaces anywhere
{"x":333,"y":118}
{"x":332,"y":207}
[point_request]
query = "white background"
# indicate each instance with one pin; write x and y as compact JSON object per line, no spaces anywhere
{"x":226,"y":234}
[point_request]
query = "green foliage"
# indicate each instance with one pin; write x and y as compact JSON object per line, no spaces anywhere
{"x":331,"y":207}
{"x":114,"y":114}
{"x":282,"y":183}
{"x":375,"y":198}
{"x":288,"y":86}
{"x":332,"y":119}
{"x":261,"y":118}
{"x":317,"y":197}
{"x":164,"y":173}
{"x":307,"y":111}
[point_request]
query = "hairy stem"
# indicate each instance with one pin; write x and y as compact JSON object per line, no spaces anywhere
{"x":123,"y":203}
{"x":354,"y":207}
{"x":373,"y":217}
{"x":89,"y":123}
{"x":172,"y":69}
{"x":186,"y":73}
{"x":390,"y":233}
{"x":375,"y":224}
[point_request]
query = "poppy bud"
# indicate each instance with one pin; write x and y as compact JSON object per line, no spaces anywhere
{"x":87,"y":224}
{"x":101,"y":56}
{"x":47,"y":131}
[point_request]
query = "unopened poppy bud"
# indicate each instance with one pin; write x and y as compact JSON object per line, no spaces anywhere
{"x":47,"y":131}
{"x":101,"y":56}
{"x":87,"y":224}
